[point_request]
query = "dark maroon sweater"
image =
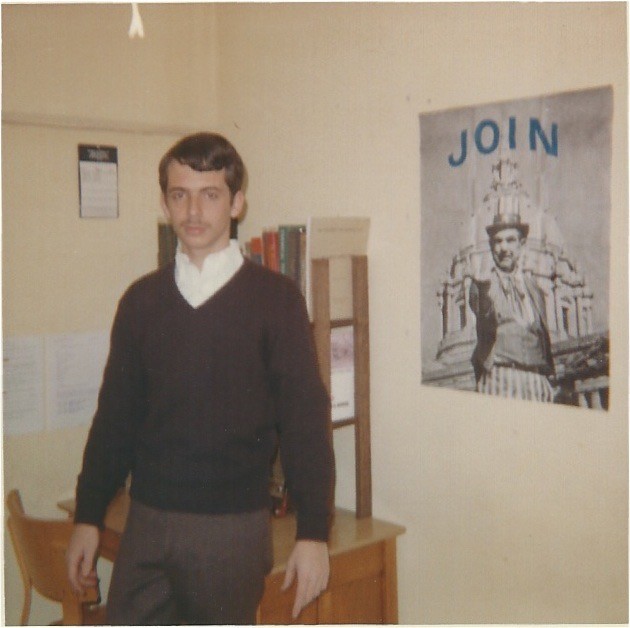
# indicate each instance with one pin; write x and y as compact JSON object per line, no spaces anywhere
{"x":192,"y":402}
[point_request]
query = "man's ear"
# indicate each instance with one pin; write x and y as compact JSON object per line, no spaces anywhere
{"x":238,"y":202}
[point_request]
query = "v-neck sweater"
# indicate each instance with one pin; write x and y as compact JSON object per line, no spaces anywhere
{"x":194,"y":399}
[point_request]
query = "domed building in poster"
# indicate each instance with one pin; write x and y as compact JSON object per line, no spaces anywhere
{"x":580,"y":354}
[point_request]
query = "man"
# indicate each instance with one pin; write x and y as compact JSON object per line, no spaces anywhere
{"x":211,"y":357}
{"x":512,"y":357}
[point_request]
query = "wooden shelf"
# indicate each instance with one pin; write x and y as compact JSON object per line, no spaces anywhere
{"x":322,"y":325}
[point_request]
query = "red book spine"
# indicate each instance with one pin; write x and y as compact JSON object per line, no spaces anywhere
{"x":256,"y":250}
{"x":271,"y":249}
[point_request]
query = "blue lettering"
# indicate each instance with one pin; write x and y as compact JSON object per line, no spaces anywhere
{"x":485,"y":150}
{"x":512,"y":133}
{"x":462,"y":157}
{"x":535,"y":129}
{"x":489,"y":142}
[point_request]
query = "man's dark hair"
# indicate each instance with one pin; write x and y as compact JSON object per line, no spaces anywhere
{"x":204,"y":152}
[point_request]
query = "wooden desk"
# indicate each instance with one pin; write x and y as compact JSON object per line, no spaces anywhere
{"x":363,"y":583}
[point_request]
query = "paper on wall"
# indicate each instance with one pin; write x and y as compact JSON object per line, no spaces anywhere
{"x":74,"y":371}
{"x":23,"y":409}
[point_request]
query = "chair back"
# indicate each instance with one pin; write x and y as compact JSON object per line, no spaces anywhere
{"x":40,"y":546}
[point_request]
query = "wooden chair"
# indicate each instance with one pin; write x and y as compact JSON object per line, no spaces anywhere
{"x":40,"y":546}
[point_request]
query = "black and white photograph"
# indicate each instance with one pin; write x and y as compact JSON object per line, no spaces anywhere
{"x":515,"y":208}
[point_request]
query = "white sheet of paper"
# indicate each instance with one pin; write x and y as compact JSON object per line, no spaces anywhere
{"x":99,"y":189}
{"x":342,"y":372}
{"x":74,"y":372}
{"x":23,"y":385}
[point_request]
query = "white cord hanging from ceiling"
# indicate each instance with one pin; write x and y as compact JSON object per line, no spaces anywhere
{"x":135,"y":29}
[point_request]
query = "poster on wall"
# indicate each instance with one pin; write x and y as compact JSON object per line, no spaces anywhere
{"x":515,"y":248}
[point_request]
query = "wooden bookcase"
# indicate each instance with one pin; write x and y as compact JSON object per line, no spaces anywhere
{"x":322,"y":326}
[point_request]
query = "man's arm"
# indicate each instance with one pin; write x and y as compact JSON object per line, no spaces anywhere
{"x":480,"y":301}
{"x":106,"y":458}
{"x":305,"y":446}
{"x":81,"y":557}
{"x":309,"y":562}
{"x":108,"y":454}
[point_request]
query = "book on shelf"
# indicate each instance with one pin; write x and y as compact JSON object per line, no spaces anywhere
{"x":290,"y":245}
{"x":167,"y":244}
{"x":255,"y":250}
{"x":282,"y":249}
{"x":290,"y":248}
{"x":271,"y":249}
{"x":234,"y":229}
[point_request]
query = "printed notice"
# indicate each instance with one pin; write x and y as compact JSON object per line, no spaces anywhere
{"x":74,"y":371}
{"x":98,"y":181}
{"x":23,"y":385}
{"x":342,"y":372}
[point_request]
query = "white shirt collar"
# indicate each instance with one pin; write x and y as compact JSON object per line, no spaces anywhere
{"x":197,"y":286}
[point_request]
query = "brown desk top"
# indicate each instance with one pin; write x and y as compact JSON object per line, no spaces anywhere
{"x":347,"y":532}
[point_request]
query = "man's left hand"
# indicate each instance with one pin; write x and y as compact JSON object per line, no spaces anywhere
{"x":309,"y":562}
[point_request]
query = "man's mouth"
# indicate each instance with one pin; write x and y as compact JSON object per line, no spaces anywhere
{"x":193,"y":229}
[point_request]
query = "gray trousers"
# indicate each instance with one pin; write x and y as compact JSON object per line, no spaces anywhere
{"x":183,"y":568}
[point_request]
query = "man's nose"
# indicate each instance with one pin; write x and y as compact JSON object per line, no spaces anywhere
{"x":194,"y":208}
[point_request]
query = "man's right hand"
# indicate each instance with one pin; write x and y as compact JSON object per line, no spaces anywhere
{"x":81,"y":557}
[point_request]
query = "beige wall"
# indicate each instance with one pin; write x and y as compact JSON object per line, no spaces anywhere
{"x":514,"y":513}
{"x":71,"y":75}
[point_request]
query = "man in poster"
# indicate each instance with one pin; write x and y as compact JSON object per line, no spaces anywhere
{"x":512,"y":357}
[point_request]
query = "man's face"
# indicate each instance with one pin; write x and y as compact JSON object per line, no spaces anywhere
{"x":199,"y":207}
{"x":506,"y":248}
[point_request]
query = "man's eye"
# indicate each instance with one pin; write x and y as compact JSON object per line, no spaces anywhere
{"x":211,"y":194}
{"x":177,"y":195}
